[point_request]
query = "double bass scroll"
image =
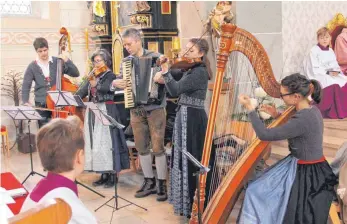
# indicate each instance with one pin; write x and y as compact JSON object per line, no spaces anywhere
{"x":62,"y":83}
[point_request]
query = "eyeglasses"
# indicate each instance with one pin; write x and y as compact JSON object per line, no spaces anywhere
{"x":285,"y":94}
{"x":97,"y":62}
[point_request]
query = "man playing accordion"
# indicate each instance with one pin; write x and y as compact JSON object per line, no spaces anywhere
{"x":148,"y":119}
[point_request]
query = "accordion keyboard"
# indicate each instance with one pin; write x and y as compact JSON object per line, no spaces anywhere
{"x":128,"y":93}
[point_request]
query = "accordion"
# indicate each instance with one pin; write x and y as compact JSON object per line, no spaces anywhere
{"x":140,"y":88}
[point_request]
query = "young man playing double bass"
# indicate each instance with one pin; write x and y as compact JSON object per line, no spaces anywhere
{"x":43,"y":71}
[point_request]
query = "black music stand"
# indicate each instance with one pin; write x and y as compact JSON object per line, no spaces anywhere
{"x":64,"y":98}
{"x":202,"y":170}
{"x":29,"y":114}
{"x":110,"y":121}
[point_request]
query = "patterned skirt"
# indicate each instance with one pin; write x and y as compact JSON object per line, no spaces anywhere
{"x":189,"y":135}
{"x":105,"y":147}
{"x":292,"y":191}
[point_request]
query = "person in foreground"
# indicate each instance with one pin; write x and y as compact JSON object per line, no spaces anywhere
{"x":300,"y":188}
{"x":60,"y":144}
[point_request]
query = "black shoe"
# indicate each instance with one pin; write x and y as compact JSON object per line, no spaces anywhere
{"x":161,"y":191}
{"x":110,"y":181}
{"x":148,"y":187}
{"x":103,"y":179}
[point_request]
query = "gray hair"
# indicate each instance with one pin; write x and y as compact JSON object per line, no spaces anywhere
{"x":132,"y":32}
{"x":105,"y":55}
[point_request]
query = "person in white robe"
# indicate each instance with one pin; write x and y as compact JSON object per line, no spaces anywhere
{"x":60,"y":144}
{"x":321,"y":63}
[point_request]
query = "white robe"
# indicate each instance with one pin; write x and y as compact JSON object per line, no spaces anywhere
{"x":80,"y":214}
{"x":318,"y":62}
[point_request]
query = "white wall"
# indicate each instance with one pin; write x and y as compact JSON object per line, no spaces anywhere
{"x":19,"y":32}
{"x":300,"y":22}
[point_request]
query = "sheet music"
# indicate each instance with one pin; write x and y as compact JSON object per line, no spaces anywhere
{"x":62,"y":98}
{"x":22,"y":113}
{"x":103,"y":116}
{"x":79,"y":101}
{"x":92,"y":106}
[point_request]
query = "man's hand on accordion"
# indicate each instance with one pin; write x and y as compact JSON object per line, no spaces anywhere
{"x":158,"y":78}
{"x":119,"y":83}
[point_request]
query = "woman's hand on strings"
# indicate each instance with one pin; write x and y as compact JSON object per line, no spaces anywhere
{"x":269,"y":109}
{"x":158,"y":78}
{"x":246,"y":102}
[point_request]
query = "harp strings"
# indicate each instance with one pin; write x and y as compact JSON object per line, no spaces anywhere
{"x":232,"y":136}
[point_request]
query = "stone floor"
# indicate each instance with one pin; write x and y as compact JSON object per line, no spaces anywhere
{"x":129,"y":182}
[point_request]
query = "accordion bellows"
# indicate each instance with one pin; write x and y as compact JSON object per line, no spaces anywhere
{"x":140,"y":88}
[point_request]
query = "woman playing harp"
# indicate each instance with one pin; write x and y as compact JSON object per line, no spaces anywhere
{"x":190,"y":123}
{"x":300,"y":188}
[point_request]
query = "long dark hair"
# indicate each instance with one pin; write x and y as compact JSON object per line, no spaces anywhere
{"x":203,"y":47}
{"x":297,"y":83}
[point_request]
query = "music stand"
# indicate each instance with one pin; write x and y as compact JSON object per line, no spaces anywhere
{"x":202,"y":170}
{"x":64,"y":98}
{"x":109,"y":121}
{"x":29,"y":114}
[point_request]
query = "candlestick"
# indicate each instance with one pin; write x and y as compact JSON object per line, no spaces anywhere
{"x":87,"y":39}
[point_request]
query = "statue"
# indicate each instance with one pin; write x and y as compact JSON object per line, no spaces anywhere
{"x":142,"y":6}
{"x":217,"y":16}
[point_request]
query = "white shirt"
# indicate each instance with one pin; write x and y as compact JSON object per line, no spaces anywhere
{"x":80,"y":214}
{"x":318,"y":62}
{"x":44,"y":67}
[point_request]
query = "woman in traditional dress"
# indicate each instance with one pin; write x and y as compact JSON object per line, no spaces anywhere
{"x":300,"y":188}
{"x":321,"y":65}
{"x":190,"y":123}
{"x":106,"y":149}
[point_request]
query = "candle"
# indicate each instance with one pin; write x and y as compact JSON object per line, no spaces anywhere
{"x":87,"y":39}
{"x":176,"y":45}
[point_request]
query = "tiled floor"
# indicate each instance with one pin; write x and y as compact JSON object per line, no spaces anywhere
{"x":129,"y":182}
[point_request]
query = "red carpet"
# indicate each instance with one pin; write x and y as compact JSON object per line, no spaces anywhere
{"x":9,"y":182}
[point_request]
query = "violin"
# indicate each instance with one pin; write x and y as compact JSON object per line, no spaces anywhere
{"x":183,"y":63}
{"x":97,"y":72}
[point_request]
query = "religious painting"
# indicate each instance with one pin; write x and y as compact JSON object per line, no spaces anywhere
{"x":165,"y":7}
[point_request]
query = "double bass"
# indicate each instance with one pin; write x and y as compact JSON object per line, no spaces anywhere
{"x":62,"y":83}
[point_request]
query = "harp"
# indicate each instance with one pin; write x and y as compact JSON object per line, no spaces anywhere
{"x":242,"y":61}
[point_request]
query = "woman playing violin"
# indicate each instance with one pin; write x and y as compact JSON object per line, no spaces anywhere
{"x":105,"y":147}
{"x":190,"y":123}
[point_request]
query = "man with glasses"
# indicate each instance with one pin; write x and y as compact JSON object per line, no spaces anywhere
{"x":43,"y":71}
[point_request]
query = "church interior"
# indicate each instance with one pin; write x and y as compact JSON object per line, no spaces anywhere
{"x":253,"y":47}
